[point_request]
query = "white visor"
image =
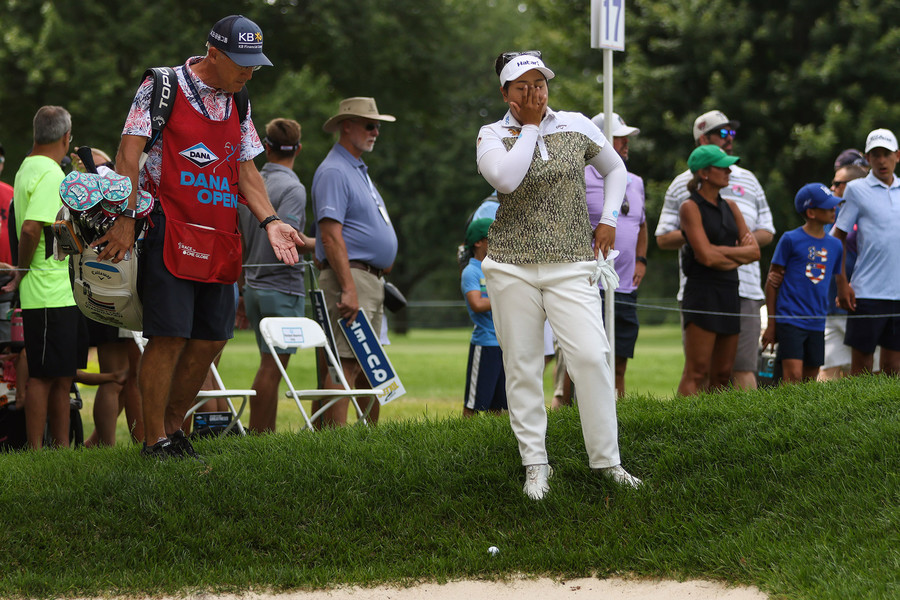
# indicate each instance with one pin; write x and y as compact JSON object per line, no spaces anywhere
{"x":520,"y":65}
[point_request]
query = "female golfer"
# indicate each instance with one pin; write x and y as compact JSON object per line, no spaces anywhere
{"x":711,"y":305}
{"x":540,"y":262}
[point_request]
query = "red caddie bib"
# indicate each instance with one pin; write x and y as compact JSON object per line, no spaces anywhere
{"x":198,"y":193}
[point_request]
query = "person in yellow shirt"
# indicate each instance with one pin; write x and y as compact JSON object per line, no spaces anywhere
{"x":50,"y":318}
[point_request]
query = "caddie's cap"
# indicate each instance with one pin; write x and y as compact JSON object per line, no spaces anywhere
{"x":521,"y":64}
{"x":619,"y":128}
{"x":881,"y":138}
{"x":477,"y":231}
{"x":709,"y":155}
{"x":814,"y":195}
{"x":712,"y":120}
{"x":356,"y":107}
{"x":240,"y":39}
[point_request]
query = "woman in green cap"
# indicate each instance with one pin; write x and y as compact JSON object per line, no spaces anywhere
{"x":718,"y":241}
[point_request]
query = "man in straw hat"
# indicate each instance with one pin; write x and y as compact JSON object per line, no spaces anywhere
{"x":356,"y":242}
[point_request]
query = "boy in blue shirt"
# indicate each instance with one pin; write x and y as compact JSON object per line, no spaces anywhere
{"x":485,"y":378}
{"x":797,"y":296}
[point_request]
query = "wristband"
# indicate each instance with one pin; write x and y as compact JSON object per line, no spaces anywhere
{"x":641,"y":259}
{"x":268,"y":220}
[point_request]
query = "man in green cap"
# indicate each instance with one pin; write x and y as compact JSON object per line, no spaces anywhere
{"x":485,"y":378}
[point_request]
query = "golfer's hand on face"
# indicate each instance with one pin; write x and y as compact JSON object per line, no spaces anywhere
{"x":284,"y":240}
{"x":532,"y":108}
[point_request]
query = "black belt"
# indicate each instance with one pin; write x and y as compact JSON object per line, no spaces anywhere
{"x":358,"y":264}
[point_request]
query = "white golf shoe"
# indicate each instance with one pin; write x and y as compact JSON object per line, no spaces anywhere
{"x":536,"y":477}
{"x":620,"y":476}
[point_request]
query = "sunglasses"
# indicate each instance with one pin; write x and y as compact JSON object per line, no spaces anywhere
{"x":837,"y":183}
{"x":724,"y":133}
{"x":625,"y":208}
{"x":508,"y":56}
{"x":369,"y":126}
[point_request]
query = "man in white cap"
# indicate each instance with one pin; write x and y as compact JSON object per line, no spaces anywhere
{"x":872,"y":204}
{"x":745,"y":190}
{"x":356,"y":241}
{"x":195,"y":170}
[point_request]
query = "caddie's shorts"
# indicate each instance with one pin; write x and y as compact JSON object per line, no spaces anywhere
{"x":175,"y":307}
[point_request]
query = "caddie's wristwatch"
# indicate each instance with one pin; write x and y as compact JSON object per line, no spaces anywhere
{"x":128,"y":212}
{"x":268,"y":220}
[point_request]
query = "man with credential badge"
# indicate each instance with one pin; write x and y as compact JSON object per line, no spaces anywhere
{"x":356,"y":241}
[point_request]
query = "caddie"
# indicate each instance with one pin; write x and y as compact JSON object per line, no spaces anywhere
{"x":191,"y":257}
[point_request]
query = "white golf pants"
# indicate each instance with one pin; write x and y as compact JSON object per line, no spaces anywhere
{"x":521,"y":296}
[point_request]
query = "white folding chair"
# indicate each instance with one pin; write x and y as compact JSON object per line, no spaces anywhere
{"x":301,"y":333}
{"x":222,"y":392}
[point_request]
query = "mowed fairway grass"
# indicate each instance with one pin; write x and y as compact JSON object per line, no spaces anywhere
{"x":432,"y":367}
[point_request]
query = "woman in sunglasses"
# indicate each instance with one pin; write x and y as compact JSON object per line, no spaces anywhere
{"x":540,"y":262}
{"x":718,"y":242}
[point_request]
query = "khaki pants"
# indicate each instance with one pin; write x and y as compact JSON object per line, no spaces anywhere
{"x":369,"y":292}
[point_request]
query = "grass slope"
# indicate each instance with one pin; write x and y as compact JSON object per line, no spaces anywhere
{"x":795,"y":490}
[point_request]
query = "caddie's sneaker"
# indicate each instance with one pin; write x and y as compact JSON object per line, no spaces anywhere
{"x":620,"y":476}
{"x":182,"y":446}
{"x":536,"y":477}
{"x":160,"y":450}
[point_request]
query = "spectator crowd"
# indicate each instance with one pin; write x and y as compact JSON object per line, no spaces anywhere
{"x":206,"y":261}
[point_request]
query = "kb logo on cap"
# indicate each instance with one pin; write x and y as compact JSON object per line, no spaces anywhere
{"x":249,"y":37}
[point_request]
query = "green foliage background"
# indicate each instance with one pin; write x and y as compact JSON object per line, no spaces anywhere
{"x":806,"y":78}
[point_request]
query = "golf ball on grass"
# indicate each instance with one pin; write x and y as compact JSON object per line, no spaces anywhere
{"x":493,"y":550}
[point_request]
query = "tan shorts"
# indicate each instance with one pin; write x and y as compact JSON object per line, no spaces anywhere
{"x":369,"y":292}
